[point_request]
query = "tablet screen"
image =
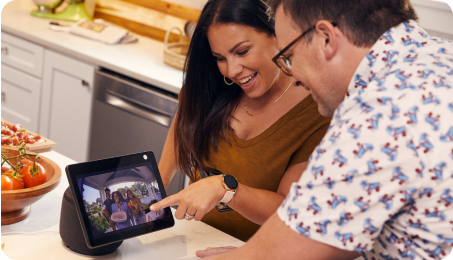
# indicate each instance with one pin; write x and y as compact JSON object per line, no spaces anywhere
{"x":115,"y":202}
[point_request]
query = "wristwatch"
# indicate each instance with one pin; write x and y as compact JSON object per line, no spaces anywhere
{"x":231,"y":184}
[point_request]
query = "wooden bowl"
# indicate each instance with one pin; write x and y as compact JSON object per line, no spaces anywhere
{"x":16,"y":203}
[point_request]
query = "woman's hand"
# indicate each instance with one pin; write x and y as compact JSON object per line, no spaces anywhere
{"x":197,"y":199}
{"x":211,"y":252}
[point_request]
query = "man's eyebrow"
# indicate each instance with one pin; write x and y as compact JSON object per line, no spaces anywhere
{"x":231,"y":50}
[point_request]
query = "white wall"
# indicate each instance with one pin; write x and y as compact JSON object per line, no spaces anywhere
{"x":435,"y":17}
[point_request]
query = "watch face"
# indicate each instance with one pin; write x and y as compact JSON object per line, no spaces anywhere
{"x":231,"y":182}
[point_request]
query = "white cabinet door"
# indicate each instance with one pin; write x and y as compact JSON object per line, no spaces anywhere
{"x":66,"y":104}
{"x":22,"y":55}
{"x":21,"y":95}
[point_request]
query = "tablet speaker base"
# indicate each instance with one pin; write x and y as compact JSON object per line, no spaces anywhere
{"x":71,"y":230}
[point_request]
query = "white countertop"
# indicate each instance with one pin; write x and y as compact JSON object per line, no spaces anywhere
{"x":178,"y":242}
{"x":142,"y":61}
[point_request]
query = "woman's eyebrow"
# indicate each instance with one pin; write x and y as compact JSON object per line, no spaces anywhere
{"x":235,"y":46}
{"x":231,"y":50}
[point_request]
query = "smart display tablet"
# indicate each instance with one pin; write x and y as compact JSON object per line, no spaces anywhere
{"x":113,"y":197}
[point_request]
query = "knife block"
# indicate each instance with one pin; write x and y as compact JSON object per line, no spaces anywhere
{"x":71,"y":230}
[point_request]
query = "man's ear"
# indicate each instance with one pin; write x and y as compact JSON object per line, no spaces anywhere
{"x":326,"y":31}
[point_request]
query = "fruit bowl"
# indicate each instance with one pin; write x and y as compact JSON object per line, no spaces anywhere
{"x":16,"y":203}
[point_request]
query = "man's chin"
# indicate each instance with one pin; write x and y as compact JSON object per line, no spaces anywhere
{"x":325,"y":111}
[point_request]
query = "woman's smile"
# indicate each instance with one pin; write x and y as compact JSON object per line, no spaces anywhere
{"x":248,"y":82}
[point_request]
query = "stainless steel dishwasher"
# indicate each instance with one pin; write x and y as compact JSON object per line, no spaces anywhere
{"x":129,"y":117}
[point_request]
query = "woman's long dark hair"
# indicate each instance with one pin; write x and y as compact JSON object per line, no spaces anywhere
{"x":127,"y":194}
{"x":120,"y":196}
{"x":206,"y":102}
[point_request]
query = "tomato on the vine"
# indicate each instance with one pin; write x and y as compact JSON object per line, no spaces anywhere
{"x":34,"y":174}
{"x":17,"y":181}
{"x":5,"y":168}
{"x":25,"y":161}
{"x":7,"y":183}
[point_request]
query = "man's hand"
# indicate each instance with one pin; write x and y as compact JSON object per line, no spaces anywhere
{"x":211,"y":252}
{"x":196,"y":200}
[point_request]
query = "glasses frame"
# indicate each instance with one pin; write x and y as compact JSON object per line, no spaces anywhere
{"x":284,"y":58}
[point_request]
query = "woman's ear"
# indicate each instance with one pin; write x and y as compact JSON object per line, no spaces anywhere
{"x":327,"y":32}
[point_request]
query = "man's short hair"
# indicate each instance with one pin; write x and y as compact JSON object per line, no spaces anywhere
{"x":362,"y":21}
{"x":107,"y":189}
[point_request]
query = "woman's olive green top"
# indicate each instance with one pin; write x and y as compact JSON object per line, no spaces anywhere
{"x":260,"y":162}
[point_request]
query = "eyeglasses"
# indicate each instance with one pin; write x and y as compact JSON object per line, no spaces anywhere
{"x":282,"y":61}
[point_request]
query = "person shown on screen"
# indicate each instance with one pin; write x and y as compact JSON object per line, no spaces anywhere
{"x":107,"y":208}
{"x":119,"y":206}
{"x":124,"y":195}
{"x":135,"y":206}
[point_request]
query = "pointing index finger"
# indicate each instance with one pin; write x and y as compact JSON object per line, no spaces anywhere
{"x":167,"y":202}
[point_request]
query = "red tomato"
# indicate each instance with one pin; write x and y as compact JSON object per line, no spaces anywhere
{"x":15,"y":140}
{"x":6,"y":131}
{"x":22,"y":136}
{"x":7,"y":183}
{"x":34,"y":174}
{"x":37,"y":137}
{"x":6,"y":140}
{"x":25,"y":161}
{"x":5,"y":168}
{"x":18,"y":183}
{"x":16,"y":127}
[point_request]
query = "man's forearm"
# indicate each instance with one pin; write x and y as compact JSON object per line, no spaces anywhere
{"x":275,"y":240}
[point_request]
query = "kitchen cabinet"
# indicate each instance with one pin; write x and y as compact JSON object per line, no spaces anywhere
{"x":48,"y":93}
{"x":21,"y":81}
{"x":67,"y":94}
{"x":22,"y":55}
{"x":20,"y":98}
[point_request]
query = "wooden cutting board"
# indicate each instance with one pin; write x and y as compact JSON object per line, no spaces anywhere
{"x":150,"y":18}
{"x":40,"y":147}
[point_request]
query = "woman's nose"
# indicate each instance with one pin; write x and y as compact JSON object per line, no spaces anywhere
{"x":234,"y":68}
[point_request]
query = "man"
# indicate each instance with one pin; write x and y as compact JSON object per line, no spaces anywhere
{"x":124,"y":194}
{"x":107,"y":208}
{"x":380,"y":183}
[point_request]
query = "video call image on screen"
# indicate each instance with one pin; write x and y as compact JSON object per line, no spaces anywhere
{"x":120,"y":199}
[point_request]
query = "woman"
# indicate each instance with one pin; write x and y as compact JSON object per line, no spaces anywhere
{"x":135,"y":206}
{"x":239,"y":115}
{"x":121,"y":206}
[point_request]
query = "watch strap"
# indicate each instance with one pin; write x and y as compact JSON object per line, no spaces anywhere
{"x":228,"y":196}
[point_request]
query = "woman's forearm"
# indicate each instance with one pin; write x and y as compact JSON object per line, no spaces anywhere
{"x":258,"y":205}
{"x":167,"y":164}
{"x":254,"y":204}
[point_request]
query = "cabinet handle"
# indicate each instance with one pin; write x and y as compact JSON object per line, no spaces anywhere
{"x":85,"y":83}
{"x":5,"y":50}
{"x":3,"y":96}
